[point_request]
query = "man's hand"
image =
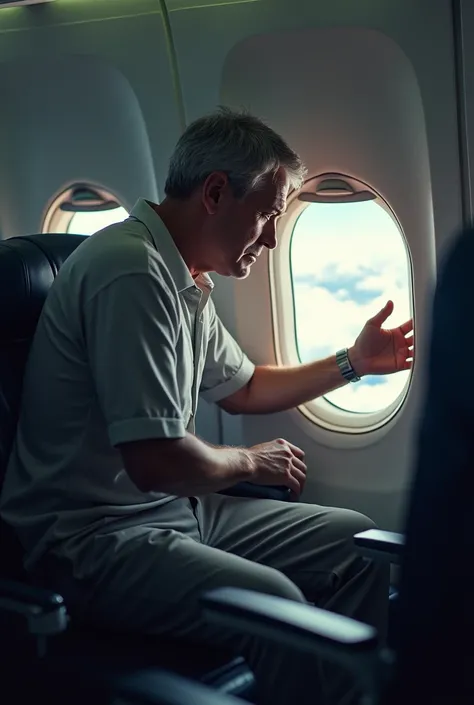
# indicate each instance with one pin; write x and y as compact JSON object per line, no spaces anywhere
{"x":278,"y":463}
{"x":378,"y":351}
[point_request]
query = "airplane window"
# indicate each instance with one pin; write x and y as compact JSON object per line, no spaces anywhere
{"x":89,"y":223}
{"x":83,"y":209}
{"x":347,"y":260}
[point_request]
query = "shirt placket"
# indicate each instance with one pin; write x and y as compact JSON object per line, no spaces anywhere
{"x":197,"y":318}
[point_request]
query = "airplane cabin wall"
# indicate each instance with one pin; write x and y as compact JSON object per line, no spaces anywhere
{"x":111,"y":84}
{"x":373,"y":478}
{"x":87,"y":95}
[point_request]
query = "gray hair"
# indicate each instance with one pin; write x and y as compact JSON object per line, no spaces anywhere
{"x":234,"y":142}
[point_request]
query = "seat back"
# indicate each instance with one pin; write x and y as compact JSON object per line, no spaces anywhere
{"x":436,"y":602}
{"x":28,"y":266}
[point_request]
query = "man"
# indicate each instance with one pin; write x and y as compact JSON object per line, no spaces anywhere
{"x":108,"y":487}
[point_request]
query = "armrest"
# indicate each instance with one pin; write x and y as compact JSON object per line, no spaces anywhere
{"x":153,"y":687}
{"x":248,"y":489}
{"x":293,"y":625}
{"x":44,"y":610}
{"x":381,"y":545}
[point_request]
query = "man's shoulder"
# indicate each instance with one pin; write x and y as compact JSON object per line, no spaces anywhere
{"x":120,"y":250}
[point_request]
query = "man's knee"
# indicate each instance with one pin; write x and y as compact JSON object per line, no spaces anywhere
{"x":271,"y":582}
{"x":345,"y":523}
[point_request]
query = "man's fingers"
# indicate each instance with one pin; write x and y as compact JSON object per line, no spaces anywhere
{"x":297,"y":463}
{"x":294,"y":485}
{"x":295,"y":450}
{"x":300,"y":477}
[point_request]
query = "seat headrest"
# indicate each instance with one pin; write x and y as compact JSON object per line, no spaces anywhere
{"x":28,"y":266}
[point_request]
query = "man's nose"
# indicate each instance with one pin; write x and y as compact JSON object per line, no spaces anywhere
{"x":268,"y":237}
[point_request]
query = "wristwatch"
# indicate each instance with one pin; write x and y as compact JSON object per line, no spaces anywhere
{"x":345,"y":366}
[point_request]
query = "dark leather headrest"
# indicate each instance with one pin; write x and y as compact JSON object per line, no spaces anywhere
{"x":28,"y":266}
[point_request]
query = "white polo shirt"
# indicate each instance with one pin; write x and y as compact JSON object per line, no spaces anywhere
{"x":125,"y":343}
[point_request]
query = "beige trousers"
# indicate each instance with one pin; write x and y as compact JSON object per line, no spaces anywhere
{"x":148,"y":578}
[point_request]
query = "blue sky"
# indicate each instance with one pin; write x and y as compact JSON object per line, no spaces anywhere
{"x":347,"y":260}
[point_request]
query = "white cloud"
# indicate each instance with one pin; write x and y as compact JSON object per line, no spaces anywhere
{"x":377,"y":282}
{"x":349,"y":237}
{"x":360,"y":397}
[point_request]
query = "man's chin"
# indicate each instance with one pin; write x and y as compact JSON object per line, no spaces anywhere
{"x":241,"y":270}
{"x":237,"y":271}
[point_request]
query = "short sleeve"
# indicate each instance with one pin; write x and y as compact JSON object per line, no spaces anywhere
{"x":227,"y":369}
{"x":131,"y":328}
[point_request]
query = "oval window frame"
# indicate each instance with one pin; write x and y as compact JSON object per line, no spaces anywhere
{"x":56,"y":220}
{"x":322,"y":412}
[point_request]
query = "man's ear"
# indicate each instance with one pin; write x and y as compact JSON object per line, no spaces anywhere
{"x":212,"y":191}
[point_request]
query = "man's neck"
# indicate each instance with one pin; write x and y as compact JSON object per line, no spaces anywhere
{"x":183,"y":225}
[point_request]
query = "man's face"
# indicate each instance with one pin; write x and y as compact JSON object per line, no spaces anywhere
{"x":239,"y":229}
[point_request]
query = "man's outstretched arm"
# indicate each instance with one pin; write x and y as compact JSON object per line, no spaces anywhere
{"x":376,"y":351}
{"x":273,"y":389}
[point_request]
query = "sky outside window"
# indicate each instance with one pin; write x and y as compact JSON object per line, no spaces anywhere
{"x":90,"y":223}
{"x":347,"y":260}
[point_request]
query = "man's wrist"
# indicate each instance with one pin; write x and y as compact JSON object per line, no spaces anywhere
{"x":248,"y":463}
{"x":356,"y":363}
{"x":239,"y":462}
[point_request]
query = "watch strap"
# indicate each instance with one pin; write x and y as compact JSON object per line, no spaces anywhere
{"x":347,"y":371}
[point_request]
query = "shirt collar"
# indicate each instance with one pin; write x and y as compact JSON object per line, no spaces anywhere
{"x":164,"y":243}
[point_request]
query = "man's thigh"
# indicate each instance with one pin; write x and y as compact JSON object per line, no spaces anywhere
{"x":149,"y":580}
{"x":310,"y":544}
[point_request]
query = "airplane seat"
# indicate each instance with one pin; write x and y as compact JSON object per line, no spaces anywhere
{"x":28,"y":266}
